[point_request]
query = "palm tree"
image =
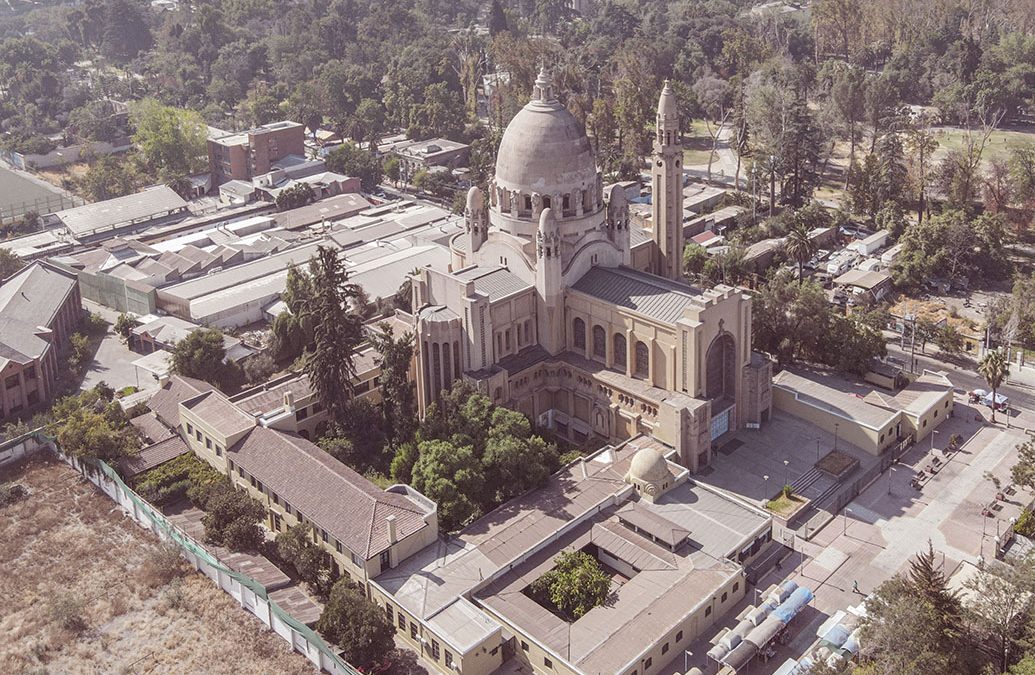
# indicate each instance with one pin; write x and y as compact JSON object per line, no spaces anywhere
{"x":994,"y":368}
{"x":800,"y":248}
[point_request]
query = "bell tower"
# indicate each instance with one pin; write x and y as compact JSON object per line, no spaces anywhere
{"x":667,"y":189}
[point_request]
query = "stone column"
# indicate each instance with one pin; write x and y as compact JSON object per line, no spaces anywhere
{"x":609,"y":349}
{"x":650,"y":360}
{"x":630,"y":351}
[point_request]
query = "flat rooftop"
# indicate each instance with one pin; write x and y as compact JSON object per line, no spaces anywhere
{"x":493,"y":560}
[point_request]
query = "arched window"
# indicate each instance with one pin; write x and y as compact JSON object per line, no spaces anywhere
{"x":599,"y":342}
{"x":579,"y":334}
{"x":620,"y":350}
{"x":720,"y":368}
{"x":642,"y":359}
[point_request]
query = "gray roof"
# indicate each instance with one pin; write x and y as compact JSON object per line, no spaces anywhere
{"x":29,"y":299}
{"x":141,"y":206}
{"x":646,"y":294}
{"x":496,"y":282}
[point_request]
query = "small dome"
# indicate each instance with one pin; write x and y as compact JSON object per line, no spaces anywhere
{"x":475,"y":200}
{"x":544,"y":148}
{"x":649,"y":466}
{"x":667,"y":102}
{"x":547,"y":221}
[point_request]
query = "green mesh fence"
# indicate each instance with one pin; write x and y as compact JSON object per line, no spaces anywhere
{"x":159,"y":523}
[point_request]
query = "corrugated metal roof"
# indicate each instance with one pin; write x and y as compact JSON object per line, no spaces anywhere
{"x":496,"y":282}
{"x":138,"y":207}
{"x":646,"y":294}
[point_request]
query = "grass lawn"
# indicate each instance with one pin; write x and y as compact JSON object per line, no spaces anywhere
{"x":785,"y":506}
{"x":697,"y":145}
{"x":999,"y":143}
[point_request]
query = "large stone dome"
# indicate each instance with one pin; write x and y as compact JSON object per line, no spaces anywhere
{"x":544,"y":149}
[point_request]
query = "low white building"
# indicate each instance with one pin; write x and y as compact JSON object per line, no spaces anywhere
{"x":870,"y":244}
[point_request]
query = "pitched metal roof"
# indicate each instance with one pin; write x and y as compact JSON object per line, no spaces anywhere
{"x":110,"y":213}
{"x":496,"y":282}
{"x":646,"y":294}
{"x":165,"y":403}
{"x":29,"y":300}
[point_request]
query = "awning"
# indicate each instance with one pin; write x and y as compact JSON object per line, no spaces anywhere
{"x":851,"y":645}
{"x":740,"y":656}
{"x":764,"y":634}
{"x":789,"y":667}
{"x":718,"y":652}
{"x":792,"y":605}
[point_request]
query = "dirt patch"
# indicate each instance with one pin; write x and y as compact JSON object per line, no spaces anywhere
{"x":88,"y":590}
{"x":837,"y":464}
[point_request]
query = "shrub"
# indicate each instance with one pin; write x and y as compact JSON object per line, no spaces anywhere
{"x":1025,"y":525}
{"x":787,"y":491}
{"x":204,"y":483}
{"x":233,"y":520}
{"x":359,"y":627}
{"x":12,"y":492}
{"x":66,"y":610}
{"x":575,"y":585}
{"x":296,"y":547}
{"x":162,"y":565}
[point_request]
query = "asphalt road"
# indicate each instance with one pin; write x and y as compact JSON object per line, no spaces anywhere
{"x":1020,"y":395}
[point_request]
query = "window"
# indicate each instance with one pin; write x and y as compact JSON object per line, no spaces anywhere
{"x":219,"y":451}
{"x":679,"y":636}
{"x":208,"y":443}
{"x":386,"y":559}
{"x":708,"y":610}
{"x":197,"y":434}
{"x":11,"y":382}
{"x":664,"y":648}
{"x":323,"y":535}
{"x":524,"y":646}
{"x":337,"y":546}
{"x":273,"y":495}
{"x":736,"y":587}
{"x":413,"y":630}
{"x":925,"y":423}
{"x":449,"y":659}
{"x":435,"y":650}
{"x":30,"y":373}
{"x":389,"y":614}
{"x":251,"y":479}
{"x":579,"y":334}
{"x":619,"y":350}
{"x":642,"y":359}
{"x":301,"y":414}
{"x":724,"y":596}
{"x":648,"y":663}
{"x":547,"y":662}
{"x":506,"y":340}
{"x":356,"y":560}
{"x":190,"y":429}
{"x":599,"y":342}
{"x":402,"y":621}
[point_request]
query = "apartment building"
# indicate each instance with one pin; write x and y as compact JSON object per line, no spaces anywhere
{"x":247,"y":154}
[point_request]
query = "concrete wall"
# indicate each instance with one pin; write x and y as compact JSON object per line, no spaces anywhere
{"x":873,"y":441}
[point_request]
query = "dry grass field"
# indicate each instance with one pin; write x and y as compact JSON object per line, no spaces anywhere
{"x":86,"y":590}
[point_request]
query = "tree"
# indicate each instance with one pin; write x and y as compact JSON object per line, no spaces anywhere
{"x":576,"y":584}
{"x":452,"y":477}
{"x":125,"y":324}
{"x":172,"y":141}
{"x":297,"y":546}
{"x":126,"y":30}
{"x":9,"y":264}
{"x":295,"y":196}
{"x":440,"y":115}
{"x":405,"y":457}
{"x":109,"y":177}
{"x":201,"y":355}
{"x":800,"y":248}
{"x":349,"y":160}
{"x":838,"y":22}
{"x":799,"y":155}
{"x":392,"y":169}
{"x":949,"y":340}
{"x":714,"y":97}
{"x":1023,"y":472}
{"x":995,"y":368}
{"x":497,"y":18}
{"x":337,"y":331}
{"x":398,"y":405}
{"x":89,"y":434}
{"x":80,"y":352}
{"x":232,"y":519}
{"x":356,"y":625}
{"x":357,"y":438}
{"x":259,"y":368}
{"x":515,"y":461}
{"x":1000,"y":609}
{"x":921,"y":144}
{"x":694,"y":259}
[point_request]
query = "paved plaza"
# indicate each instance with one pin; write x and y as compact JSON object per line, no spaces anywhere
{"x":878,"y":533}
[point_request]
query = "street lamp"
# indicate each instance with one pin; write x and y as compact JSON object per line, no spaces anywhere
{"x":765,"y":488}
{"x":933,"y":432}
{"x":786,"y":472}
{"x":686,"y":658}
{"x":836,"y":427}
{"x":845,"y":520}
{"x":817,"y":450}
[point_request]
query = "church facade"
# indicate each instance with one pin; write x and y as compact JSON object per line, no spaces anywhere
{"x":545,"y":310}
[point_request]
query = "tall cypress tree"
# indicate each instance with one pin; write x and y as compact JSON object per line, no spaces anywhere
{"x":337,"y":331}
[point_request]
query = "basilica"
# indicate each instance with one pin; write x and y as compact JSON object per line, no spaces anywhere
{"x":557,"y":305}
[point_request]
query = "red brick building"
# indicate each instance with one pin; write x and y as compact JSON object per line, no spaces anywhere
{"x":40,"y":308}
{"x":244,"y":155}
